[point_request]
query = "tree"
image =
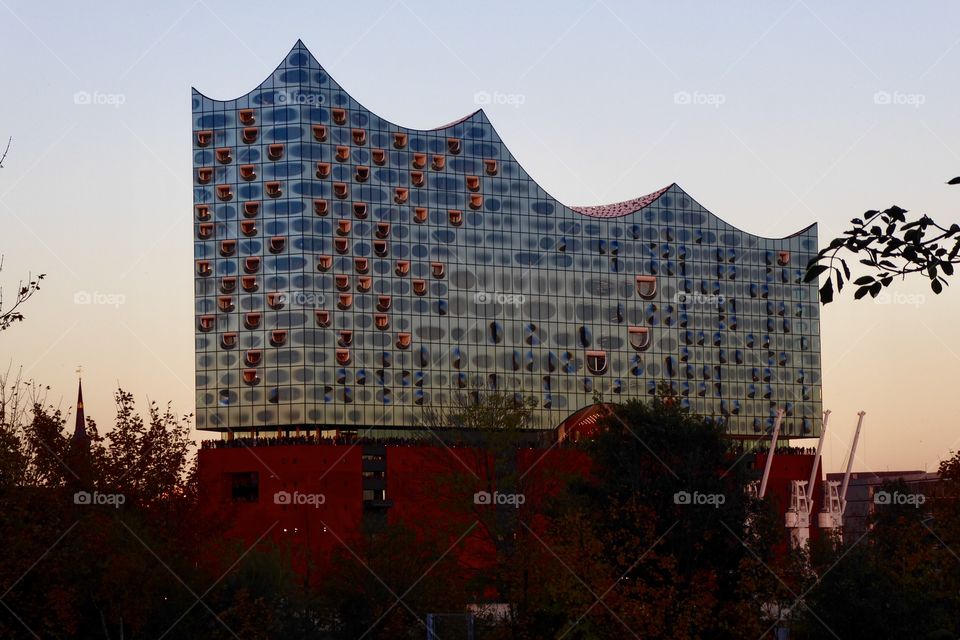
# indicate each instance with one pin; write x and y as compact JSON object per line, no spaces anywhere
{"x":10,"y":312}
{"x":889,"y":246}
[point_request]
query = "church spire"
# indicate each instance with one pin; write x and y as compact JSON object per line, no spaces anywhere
{"x":80,"y":426}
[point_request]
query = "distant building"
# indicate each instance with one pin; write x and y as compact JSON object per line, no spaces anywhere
{"x":350,"y":272}
{"x":865,"y":493}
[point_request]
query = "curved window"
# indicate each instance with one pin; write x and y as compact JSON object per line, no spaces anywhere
{"x":345,"y":301}
{"x":275,"y":301}
{"x":204,"y":175}
{"x":420,"y":287}
{"x":319,"y":132}
{"x":251,"y":209}
{"x":381,"y":321}
{"x":253,"y":357}
{"x":323,"y":169}
{"x":248,"y":227}
{"x":203,"y":212}
{"x":364,"y":283}
{"x":320,"y":207}
{"x":225,"y":303}
{"x":206,"y":323}
{"x":438,"y":163}
{"x":597,"y":362}
{"x":278,"y":337}
{"x":204,"y":138}
{"x":277,"y":244}
{"x":343,"y":153}
{"x":646,"y":287}
{"x":251,"y":320}
{"x":340,"y":190}
{"x":345,"y":339}
{"x":399,"y":140}
{"x":343,"y":356}
{"x":453,"y":145}
{"x":228,"y":340}
{"x":401,"y":195}
{"x":420,"y":215}
{"x":251,"y":377}
{"x":324,"y":263}
{"x":490,"y":166}
{"x":379,"y":157}
{"x":419,"y":160}
{"x":228,"y":284}
{"x":640,"y":338}
{"x":383,"y":230}
{"x":403,"y":340}
{"x":473,"y":183}
{"x":383,"y":303}
{"x":418,"y":178}
{"x":362,"y":265}
{"x":339,"y":115}
{"x":359,"y":137}
{"x":250,"y":135}
{"x":203,"y":268}
{"x":403,"y":267}
{"x":247,"y":116}
{"x":456,"y":217}
{"x":275,"y":151}
{"x":323,"y":318}
{"x":476,"y":201}
{"x":496,"y":332}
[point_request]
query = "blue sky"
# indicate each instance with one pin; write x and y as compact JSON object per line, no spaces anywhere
{"x":773,"y":115}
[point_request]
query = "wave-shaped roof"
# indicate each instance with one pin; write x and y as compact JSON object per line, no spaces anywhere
{"x":302,"y":58}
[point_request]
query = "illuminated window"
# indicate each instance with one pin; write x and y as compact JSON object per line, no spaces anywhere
{"x":344,"y":226}
{"x":225,"y":192}
{"x":251,"y":264}
{"x":324,"y":263}
{"x":275,"y":301}
{"x":783,"y":258}
{"x":319,"y":133}
{"x":224,"y":155}
{"x":228,"y":248}
{"x":639,"y":338}
{"x":253,"y":357}
{"x":321,"y":207}
{"x":359,"y":137}
{"x":362,"y":265}
{"x":228,"y":340}
{"x":340,"y":190}
{"x":473,"y":183}
{"x":205,"y":230}
{"x":249,"y":283}
{"x":250,"y":134}
{"x":248,"y":227}
{"x":343,"y":356}
{"x":456,"y":217}
{"x":323,"y":170}
{"x":203,"y":268}
{"x":476,"y":201}
{"x":323,"y":318}
{"x":345,"y":301}
{"x":204,"y":138}
{"x":362,"y":174}
{"x":646,"y":287}
{"x":248,"y":172}
{"x":379,"y":157}
{"x":364,"y":284}
{"x":597,"y":362}
{"x":203,"y":212}
{"x":339,"y":116}
{"x":228,"y":284}
{"x":275,"y":151}
{"x":251,"y":209}
{"x":420,"y":215}
{"x":251,"y":377}
{"x":381,"y":321}
{"x":403,"y":267}
{"x":252,"y":320}
{"x":247,"y":116}
{"x":436,"y":268}
{"x":360,"y":210}
{"x":345,"y":338}
{"x":343,"y":153}
{"x":383,"y":230}
{"x":342,"y":282}
{"x":420,"y":287}
{"x":273,"y":189}
{"x":403,"y":340}
{"x":383,"y":303}
{"x":401,"y":195}
{"x":206,"y":323}
{"x":399,"y":140}
{"x":277,"y":244}
{"x":439,"y":162}
{"x":225,"y":303}
{"x":453,"y":145}
{"x":381,"y":248}
{"x":490,"y":166}
{"x":278,"y":337}
{"x":418,"y":178}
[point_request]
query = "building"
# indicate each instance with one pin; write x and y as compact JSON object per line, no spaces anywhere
{"x":350,"y":272}
{"x":865,"y":493}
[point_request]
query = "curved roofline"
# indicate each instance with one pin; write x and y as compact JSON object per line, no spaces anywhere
{"x":609,"y":210}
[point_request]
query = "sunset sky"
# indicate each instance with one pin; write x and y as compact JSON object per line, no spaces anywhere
{"x":772,"y":115}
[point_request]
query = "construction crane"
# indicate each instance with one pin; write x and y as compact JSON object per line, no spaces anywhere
{"x":797,"y":517}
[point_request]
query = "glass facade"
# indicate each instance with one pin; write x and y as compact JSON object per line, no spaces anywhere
{"x":350,"y":272}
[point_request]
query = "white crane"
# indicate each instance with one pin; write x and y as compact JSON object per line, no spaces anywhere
{"x":797,"y":517}
{"x":835,"y":494}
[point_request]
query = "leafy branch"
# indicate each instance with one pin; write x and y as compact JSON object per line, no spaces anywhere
{"x":891,"y":246}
